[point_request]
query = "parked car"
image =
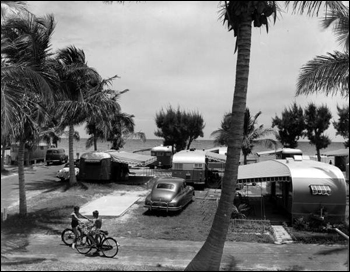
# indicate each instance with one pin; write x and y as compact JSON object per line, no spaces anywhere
{"x":170,"y":194}
{"x":63,"y":174}
{"x":56,"y":155}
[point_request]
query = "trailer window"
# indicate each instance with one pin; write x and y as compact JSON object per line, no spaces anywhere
{"x":178,"y":166}
{"x":320,"y":190}
{"x":198,"y":165}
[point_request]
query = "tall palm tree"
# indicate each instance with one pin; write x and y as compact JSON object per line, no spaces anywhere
{"x":82,"y":97}
{"x":252,"y":134}
{"x":330,"y":73}
{"x":26,"y":83}
{"x":239,"y":15}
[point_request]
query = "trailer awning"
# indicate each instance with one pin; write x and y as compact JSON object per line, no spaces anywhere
{"x":264,"y":171}
{"x":132,"y":159}
{"x":215,"y":156}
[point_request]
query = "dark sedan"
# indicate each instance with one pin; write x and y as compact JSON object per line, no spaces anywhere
{"x":169,"y":194}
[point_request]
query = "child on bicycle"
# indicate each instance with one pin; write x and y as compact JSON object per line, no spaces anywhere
{"x":96,"y":227}
{"x":75,"y":215}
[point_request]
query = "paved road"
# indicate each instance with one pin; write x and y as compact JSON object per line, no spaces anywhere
{"x":9,"y":184}
{"x":138,"y":251}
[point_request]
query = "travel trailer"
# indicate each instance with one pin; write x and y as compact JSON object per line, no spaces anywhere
{"x":164,"y":155}
{"x":193,"y":166}
{"x":33,"y":155}
{"x":300,"y":186}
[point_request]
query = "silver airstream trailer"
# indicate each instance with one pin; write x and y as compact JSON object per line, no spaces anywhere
{"x":301,"y":186}
{"x":164,"y":156}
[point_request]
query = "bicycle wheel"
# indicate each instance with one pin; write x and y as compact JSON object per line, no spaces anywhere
{"x":109,"y":247}
{"x":68,"y":236}
{"x":84,"y":244}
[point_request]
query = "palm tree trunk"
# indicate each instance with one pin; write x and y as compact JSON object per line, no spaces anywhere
{"x":95,"y":142}
{"x":318,"y":154}
{"x":21,"y":180}
{"x":209,"y":256}
{"x":245,"y":159}
{"x":3,"y":158}
{"x":72,"y":179}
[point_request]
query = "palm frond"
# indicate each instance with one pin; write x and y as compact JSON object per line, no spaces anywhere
{"x":328,"y":74}
{"x":340,"y":21}
{"x":312,"y":8}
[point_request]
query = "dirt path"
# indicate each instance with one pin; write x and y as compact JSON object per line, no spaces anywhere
{"x":177,"y":254}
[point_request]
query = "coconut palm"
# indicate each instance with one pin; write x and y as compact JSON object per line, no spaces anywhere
{"x":330,"y":73}
{"x":82,"y":97}
{"x":99,"y":129}
{"x":122,"y":129}
{"x":26,"y":83}
{"x":252,"y":135}
{"x":239,"y":16}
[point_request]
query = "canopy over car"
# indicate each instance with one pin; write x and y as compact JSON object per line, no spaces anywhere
{"x":132,"y":159}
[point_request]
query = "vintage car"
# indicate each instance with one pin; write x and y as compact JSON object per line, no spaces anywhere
{"x":169,"y":194}
{"x":56,"y":155}
{"x":63,"y":174}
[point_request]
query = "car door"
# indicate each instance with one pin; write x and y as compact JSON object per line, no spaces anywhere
{"x":181,"y":195}
{"x":187,"y":193}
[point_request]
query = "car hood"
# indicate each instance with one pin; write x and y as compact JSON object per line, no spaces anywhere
{"x":162,"y":195}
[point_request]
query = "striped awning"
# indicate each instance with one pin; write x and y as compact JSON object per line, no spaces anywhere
{"x":132,"y":159}
{"x":264,"y":171}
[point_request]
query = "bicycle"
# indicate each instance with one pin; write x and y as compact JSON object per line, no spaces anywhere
{"x":107,"y":245}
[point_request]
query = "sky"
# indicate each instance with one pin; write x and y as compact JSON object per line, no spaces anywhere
{"x":180,"y":54}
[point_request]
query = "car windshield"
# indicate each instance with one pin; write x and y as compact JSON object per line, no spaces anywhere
{"x":166,"y":186}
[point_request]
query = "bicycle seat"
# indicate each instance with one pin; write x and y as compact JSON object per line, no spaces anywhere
{"x":104,"y":232}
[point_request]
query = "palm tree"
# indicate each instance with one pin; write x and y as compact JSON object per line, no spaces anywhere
{"x":26,"y":83}
{"x":122,"y":129}
{"x":330,"y":73}
{"x":251,"y":134}
{"x":255,"y":135}
{"x":239,"y":16}
{"x":82,"y":97}
{"x":99,"y":129}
